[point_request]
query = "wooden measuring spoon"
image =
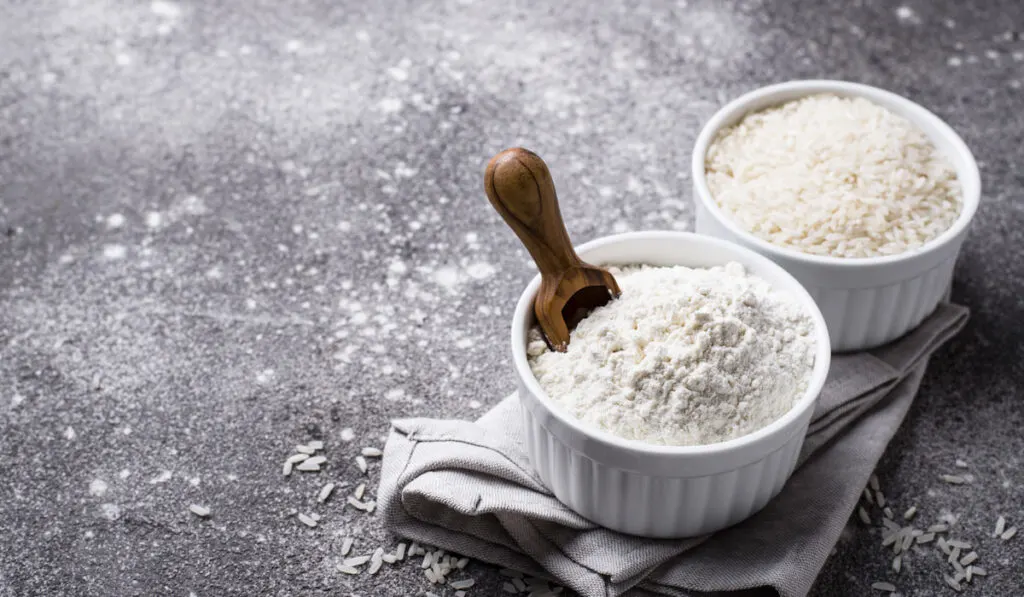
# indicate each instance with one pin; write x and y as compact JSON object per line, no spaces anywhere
{"x":519,"y":186}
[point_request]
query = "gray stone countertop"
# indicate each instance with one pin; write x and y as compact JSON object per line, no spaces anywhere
{"x":228,"y":227}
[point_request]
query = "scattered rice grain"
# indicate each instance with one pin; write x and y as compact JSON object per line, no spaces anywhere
{"x":863,"y":515}
{"x":880,"y":498}
{"x":356,"y":561}
{"x":305,"y":450}
{"x":315,"y":444}
{"x":200,"y":511}
{"x":925,"y":538}
{"x":1000,"y":526}
{"x":361,"y":463}
{"x":346,"y":545}
{"x":462,"y":563}
{"x":1009,"y":534}
{"x":909,"y":514}
{"x":883,"y":586}
{"x":389,"y":558}
{"x":360,"y":489}
{"x":952,"y":582}
{"x":348,"y":569}
{"x":897,"y":564}
{"x":887,"y":511}
{"x":953,"y":479}
{"x":325,"y":492}
{"x":961,"y":463}
{"x":969,"y":559}
{"x":873,"y":482}
{"x":938,"y":528}
{"x":372,"y":452}
{"x":462,"y":584}
{"x":979,"y":571}
{"x":400,"y":552}
{"x":375,"y":566}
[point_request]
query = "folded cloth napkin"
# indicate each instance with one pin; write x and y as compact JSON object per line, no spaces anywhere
{"x":468,"y":487}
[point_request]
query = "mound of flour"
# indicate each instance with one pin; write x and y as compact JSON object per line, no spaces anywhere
{"x":683,"y":357}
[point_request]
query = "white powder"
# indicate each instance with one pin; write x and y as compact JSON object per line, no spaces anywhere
{"x":683,"y":357}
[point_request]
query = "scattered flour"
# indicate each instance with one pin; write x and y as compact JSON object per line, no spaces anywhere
{"x":683,"y":357}
{"x":114,"y":252}
{"x":98,"y":487}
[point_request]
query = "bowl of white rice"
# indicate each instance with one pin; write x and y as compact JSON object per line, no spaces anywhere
{"x":864,"y":196}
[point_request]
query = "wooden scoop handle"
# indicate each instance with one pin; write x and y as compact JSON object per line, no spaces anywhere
{"x":519,"y":186}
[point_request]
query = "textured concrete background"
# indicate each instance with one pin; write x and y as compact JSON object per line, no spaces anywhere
{"x":231,"y":226}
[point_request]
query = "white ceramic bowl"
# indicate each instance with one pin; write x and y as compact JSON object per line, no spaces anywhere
{"x":866,"y":301}
{"x":663,"y":491}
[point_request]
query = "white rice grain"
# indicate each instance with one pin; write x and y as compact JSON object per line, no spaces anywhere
{"x":360,"y":489}
{"x":375,"y":566}
{"x":462,"y":563}
{"x":390,"y":558}
{"x":883,"y":586}
{"x":873,"y":482}
{"x":348,"y":569}
{"x":897,"y":564}
{"x":952,"y":582}
{"x":356,"y":561}
{"x":325,"y":492}
{"x":938,"y":528}
{"x":960,"y":463}
{"x":400,"y":552}
{"x":1000,"y":526}
{"x":887,"y":511}
{"x":969,"y":559}
{"x":909,"y":513}
{"x":311,"y":464}
{"x":462,"y":584}
{"x":880,"y":499}
{"x":925,"y":538}
{"x":868,"y":496}
{"x":306,"y":520}
{"x":372,"y":452}
{"x":1010,"y":533}
{"x":953,"y":479}
{"x":305,"y":450}
{"x":427,"y":560}
{"x":361,"y":463}
{"x":979,"y":571}
{"x":346,"y":545}
{"x":200,"y":511}
{"x":863,"y":515}
{"x":315,"y":444}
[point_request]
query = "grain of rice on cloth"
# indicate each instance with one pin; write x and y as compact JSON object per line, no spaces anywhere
{"x":836,"y":176}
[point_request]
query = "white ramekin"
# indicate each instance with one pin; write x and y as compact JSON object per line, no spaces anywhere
{"x":866,"y":301}
{"x":663,"y":491}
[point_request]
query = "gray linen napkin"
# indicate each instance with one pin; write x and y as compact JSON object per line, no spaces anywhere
{"x":468,"y":487}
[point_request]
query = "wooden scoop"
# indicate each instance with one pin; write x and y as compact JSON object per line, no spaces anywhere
{"x":519,"y":186}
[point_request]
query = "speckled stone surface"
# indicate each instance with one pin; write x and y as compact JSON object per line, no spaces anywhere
{"x":232,"y":226}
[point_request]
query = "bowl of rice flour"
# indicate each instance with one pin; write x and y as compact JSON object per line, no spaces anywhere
{"x":680,"y":407}
{"x":864,"y":196}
